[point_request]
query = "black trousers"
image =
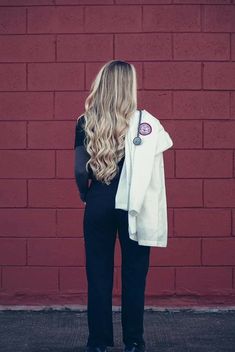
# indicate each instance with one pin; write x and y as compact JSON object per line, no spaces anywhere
{"x":101,"y":224}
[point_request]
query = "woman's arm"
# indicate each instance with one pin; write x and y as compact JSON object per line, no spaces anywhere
{"x":80,"y":172}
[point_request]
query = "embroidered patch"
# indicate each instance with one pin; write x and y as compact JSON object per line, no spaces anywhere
{"x":145,"y":128}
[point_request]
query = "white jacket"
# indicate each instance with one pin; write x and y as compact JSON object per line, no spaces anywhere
{"x":141,"y":188}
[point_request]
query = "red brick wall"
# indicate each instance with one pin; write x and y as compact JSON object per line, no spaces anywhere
{"x":184,"y":52}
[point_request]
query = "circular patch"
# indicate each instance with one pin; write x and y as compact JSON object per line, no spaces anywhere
{"x":145,"y":128}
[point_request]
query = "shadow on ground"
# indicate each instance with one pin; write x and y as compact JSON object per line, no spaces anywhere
{"x":165,"y":331}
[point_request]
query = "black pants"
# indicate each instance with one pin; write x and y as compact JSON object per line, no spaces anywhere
{"x":101,"y":224}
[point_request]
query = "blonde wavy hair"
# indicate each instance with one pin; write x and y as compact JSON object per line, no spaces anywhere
{"x":108,"y":108}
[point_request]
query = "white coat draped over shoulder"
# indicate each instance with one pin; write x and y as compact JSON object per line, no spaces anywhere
{"x":141,"y":188}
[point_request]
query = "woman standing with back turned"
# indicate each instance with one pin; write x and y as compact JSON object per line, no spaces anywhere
{"x":99,"y":156}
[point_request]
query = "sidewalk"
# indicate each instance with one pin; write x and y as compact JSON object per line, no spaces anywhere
{"x":65,"y":330}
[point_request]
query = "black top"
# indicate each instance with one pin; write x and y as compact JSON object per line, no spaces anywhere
{"x":81,"y":157}
{"x":79,"y":142}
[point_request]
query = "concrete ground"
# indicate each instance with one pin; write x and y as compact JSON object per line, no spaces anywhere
{"x":168,"y":330}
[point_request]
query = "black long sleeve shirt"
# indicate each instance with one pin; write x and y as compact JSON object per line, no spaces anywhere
{"x":81,"y":157}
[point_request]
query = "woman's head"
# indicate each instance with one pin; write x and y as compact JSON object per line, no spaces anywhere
{"x":111,"y":102}
{"x":114,"y":88}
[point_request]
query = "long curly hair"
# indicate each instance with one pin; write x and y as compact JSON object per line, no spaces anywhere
{"x":108,"y":108}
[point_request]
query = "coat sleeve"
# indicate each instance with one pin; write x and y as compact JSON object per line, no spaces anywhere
{"x":164,"y":140}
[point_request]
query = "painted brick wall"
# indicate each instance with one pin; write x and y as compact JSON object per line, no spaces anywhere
{"x":184,"y":52}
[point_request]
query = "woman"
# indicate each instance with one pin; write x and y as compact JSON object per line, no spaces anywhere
{"x":99,"y":156}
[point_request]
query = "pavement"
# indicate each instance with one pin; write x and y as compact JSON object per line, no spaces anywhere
{"x":166,"y":330}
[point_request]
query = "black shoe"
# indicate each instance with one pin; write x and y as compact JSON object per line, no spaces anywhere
{"x":135,"y":347}
{"x":96,"y":349}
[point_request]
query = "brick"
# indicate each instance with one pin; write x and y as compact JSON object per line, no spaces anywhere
{"x":13,"y":193}
{"x":157,"y":102}
{"x":219,"y":75}
{"x":56,"y":251}
{"x":12,"y":251}
{"x":219,"y":134}
{"x":164,"y":18}
{"x":27,"y":164}
{"x":26,"y":105}
{"x":233,"y":46}
{"x":51,"y":134}
{"x":28,"y":222}
{"x":219,"y":193}
{"x":202,"y":1}
{"x":65,"y":164}
{"x":219,"y":18}
{"x":116,"y":282}
{"x":55,"y":19}
{"x":179,"y":251}
{"x":83,"y":2}
{"x":206,"y":46}
{"x":26,"y":2}
{"x":12,"y":135}
{"x":233,"y":105}
{"x":13,"y":20}
{"x":13,"y":77}
{"x":30,"y":279}
{"x":154,"y":2}
{"x":151,"y":46}
{"x":186,"y":134}
{"x":70,"y":222}
{"x":218,"y":251}
{"x":202,"y":222}
{"x":69,"y":105}
{"x":73,"y":280}
{"x":54,"y":194}
{"x":233,"y":222}
{"x":84,"y":47}
{"x":28,"y":48}
{"x":170,"y":220}
{"x":118,"y":254}
{"x":93,"y":68}
{"x":160,"y":281}
{"x":203,"y":280}
{"x":112,"y":18}
{"x":184,"y":193}
{"x":200,"y":105}
{"x":172,"y":75}
{"x":56,"y":76}
{"x":204,"y":163}
{"x":234,"y":165}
